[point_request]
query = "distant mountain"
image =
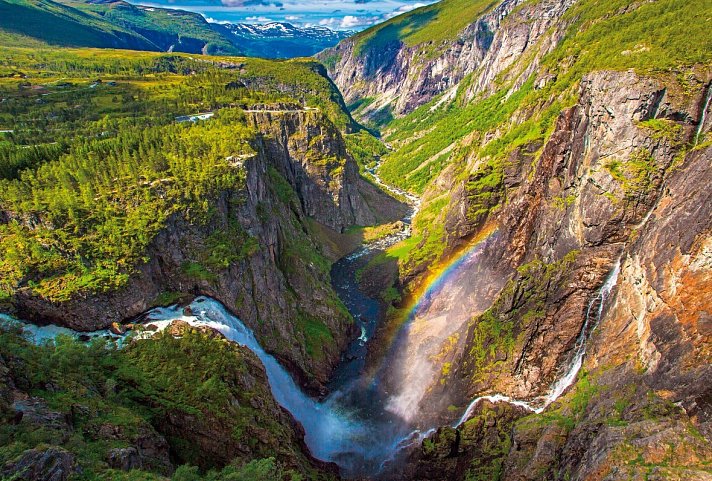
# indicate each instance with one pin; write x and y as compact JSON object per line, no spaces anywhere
{"x":111,"y":24}
{"x":119,"y":24}
{"x":283,"y":40}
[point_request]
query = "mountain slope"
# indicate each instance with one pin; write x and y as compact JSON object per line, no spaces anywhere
{"x":170,"y":30}
{"x":577,"y":132}
{"x":58,"y":24}
{"x":119,"y":24}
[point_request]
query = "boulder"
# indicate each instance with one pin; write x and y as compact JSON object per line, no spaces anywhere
{"x":124,"y":459}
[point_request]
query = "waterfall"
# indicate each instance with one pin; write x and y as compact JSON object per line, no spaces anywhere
{"x":703,"y":115}
{"x":327,"y":431}
{"x":580,"y":347}
{"x":495,"y":398}
{"x":557,"y":389}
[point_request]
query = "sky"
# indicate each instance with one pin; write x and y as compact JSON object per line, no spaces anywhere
{"x":335,"y":14}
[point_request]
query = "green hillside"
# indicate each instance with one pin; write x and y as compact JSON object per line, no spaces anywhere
{"x":653,"y":39}
{"x":57,"y":24}
{"x":110,"y":24}
{"x":94,"y":148}
{"x":432,"y":25}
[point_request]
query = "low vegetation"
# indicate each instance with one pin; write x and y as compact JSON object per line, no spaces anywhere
{"x":133,"y":391}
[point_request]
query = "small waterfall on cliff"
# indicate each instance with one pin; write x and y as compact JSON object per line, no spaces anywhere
{"x":596,"y":305}
{"x":593,"y":317}
{"x":703,"y":115}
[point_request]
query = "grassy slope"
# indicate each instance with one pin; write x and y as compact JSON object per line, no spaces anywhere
{"x":158,"y":23}
{"x":111,"y":25}
{"x":433,"y":24}
{"x":654,"y":39}
{"x":58,"y":24}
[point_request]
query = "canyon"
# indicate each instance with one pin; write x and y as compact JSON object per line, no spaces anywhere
{"x":515,"y":284}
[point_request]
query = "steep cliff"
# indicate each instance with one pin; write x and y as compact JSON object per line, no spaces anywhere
{"x":573,"y":135}
{"x":397,"y":66}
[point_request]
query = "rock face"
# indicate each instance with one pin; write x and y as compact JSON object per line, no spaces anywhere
{"x":565,"y":221}
{"x":279,"y":283}
{"x":51,"y":464}
{"x":610,"y":185}
{"x":619,"y":179}
{"x":661,"y":311}
{"x":124,"y":459}
{"x":309,"y":153}
{"x":606,"y":188}
{"x":398,"y":78}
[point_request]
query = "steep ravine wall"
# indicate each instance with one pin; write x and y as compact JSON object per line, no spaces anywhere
{"x":279,"y":286}
{"x":607,"y":184}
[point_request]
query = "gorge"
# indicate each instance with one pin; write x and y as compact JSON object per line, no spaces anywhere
{"x":472,"y":242}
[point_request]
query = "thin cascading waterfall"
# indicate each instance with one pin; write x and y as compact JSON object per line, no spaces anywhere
{"x":580,"y":347}
{"x":703,"y":115}
{"x":557,"y":389}
{"x":494,"y":398}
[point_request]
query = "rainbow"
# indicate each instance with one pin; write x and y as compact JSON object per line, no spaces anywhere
{"x":429,"y":285}
{"x":442,"y":272}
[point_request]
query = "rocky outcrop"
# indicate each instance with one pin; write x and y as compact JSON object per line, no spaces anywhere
{"x":397,"y":78}
{"x":274,"y":277}
{"x":471,"y":451}
{"x":50,"y":464}
{"x":308,"y":151}
{"x":124,"y":459}
{"x":215,"y":439}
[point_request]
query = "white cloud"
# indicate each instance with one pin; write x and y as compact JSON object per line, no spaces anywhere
{"x":292,"y":18}
{"x":215,"y":20}
{"x":403,"y":9}
{"x":349,"y":21}
{"x":260,"y":19}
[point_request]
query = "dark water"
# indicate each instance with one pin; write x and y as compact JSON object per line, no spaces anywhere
{"x":366,"y":312}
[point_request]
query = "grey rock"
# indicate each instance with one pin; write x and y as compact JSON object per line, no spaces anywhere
{"x":51,"y":464}
{"x":124,"y":459}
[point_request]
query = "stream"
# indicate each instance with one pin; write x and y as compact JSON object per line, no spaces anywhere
{"x":367,"y":420}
